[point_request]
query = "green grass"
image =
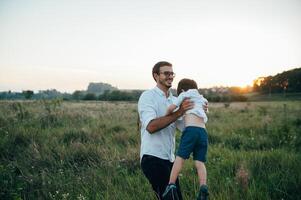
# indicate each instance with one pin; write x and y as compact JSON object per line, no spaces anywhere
{"x":90,"y":150}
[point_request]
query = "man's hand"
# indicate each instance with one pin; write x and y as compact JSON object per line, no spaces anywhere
{"x":205,"y":107}
{"x":187,"y":104}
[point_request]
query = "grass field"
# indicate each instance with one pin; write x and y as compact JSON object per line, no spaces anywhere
{"x":90,"y":150}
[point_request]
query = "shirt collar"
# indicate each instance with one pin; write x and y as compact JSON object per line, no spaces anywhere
{"x":159,"y":91}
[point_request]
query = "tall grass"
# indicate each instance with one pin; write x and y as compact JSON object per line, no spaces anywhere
{"x":90,"y":150}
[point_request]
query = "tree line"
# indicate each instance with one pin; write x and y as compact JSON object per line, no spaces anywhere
{"x":212,"y":94}
{"x":286,"y":82}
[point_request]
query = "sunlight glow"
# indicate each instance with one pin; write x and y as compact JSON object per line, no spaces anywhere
{"x":67,"y":44}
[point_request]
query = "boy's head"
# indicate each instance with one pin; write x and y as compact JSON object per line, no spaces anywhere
{"x":186,"y":84}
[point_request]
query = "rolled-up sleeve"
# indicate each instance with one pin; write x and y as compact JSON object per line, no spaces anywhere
{"x":146,"y":109}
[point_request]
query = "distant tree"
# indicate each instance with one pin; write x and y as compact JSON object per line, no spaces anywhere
{"x":77,"y":95}
{"x":3,"y":95}
{"x":27,"y":94}
{"x":49,"y":94}
{"x":136,"y":94}
{"x":90,"y":96}
{"x":104,"y":96}
{"x":288,"y":81}
{"x":119,"y":95}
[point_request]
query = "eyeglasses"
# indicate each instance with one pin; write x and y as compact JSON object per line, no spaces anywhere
{"x":167,"y":74}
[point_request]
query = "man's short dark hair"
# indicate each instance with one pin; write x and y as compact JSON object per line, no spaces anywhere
{"x":186,"y":84}
{"x":156,"y":68}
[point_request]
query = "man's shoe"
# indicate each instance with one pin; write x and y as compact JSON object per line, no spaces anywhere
{"x":170,"y":192}
{"x":203,"y":194}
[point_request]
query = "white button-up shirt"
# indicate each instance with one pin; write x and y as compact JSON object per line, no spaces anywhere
{"x":153,"y":104}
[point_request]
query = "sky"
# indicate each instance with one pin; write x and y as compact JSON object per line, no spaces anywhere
{"x":66,"y":44}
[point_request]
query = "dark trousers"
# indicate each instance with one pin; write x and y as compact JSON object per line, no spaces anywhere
{"x":157,"y":171}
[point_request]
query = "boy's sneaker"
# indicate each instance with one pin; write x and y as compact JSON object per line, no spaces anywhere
{"x":170,"y":192}
{"x":203,"y":194}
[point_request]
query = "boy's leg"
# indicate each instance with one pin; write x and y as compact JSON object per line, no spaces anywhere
{"x":199,"y":155}
{"x":173,"y":190}
{"x":186,"y":147}
{"x":176,"y":169}
{"x":202,"y":173}
{"x":203,"y":193}
{"x":170,"y":192}
{"x":179,"y":189}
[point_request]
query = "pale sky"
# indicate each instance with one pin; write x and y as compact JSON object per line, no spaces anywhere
{"x":65,"y":44}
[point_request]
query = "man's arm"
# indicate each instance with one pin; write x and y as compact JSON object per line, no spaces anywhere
{"x":162,"y":122}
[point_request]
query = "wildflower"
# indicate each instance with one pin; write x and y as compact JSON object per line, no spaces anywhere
{"x":242,"y":177}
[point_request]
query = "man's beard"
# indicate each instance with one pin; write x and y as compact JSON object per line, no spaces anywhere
{"x":164,"y":83}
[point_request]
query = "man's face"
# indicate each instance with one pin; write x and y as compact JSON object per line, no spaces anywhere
{"x":165,"y":76}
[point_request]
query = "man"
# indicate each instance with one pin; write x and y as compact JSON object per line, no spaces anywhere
{"x":158,"y":130}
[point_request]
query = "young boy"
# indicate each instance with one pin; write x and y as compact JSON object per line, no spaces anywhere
{"x":194,"y":138}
